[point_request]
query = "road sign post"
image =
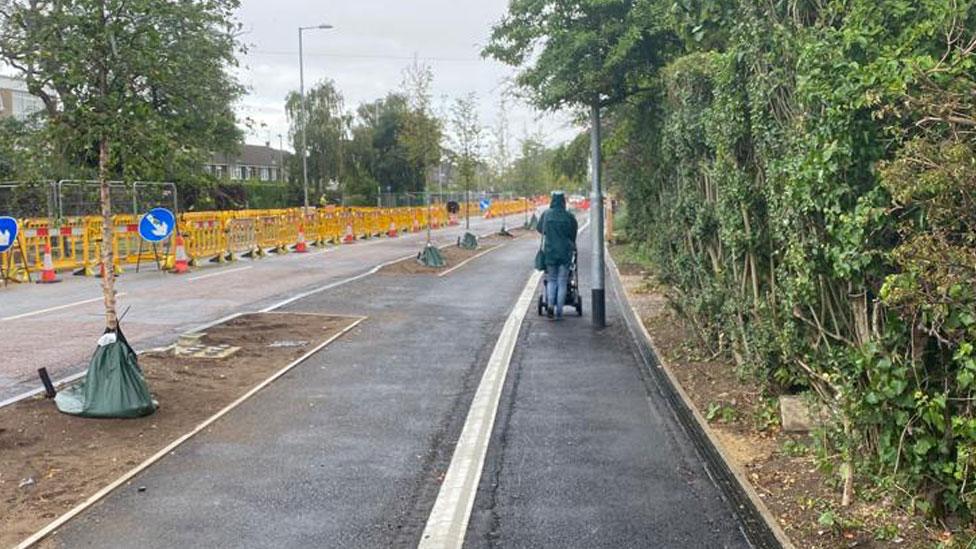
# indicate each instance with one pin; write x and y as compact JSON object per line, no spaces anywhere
{"x":154,"y":227}
{"x":8,"y":237}
{"x":8,"y":233}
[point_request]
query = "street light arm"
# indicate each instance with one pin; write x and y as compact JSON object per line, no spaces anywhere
{"x":304,"y":110}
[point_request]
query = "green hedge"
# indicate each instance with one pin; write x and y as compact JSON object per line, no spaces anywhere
{"x":806,"y":185}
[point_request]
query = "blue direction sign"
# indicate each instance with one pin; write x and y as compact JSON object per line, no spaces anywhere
{"x":8,"y":233}
{"x":485,"y":204}
{"x":157,"y":225}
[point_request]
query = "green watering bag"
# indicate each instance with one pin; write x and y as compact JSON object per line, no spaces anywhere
{"x":540,"y":256}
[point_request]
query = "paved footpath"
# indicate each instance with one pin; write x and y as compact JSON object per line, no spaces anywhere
{"x":350,"y":448}
{"x":585,"y":453}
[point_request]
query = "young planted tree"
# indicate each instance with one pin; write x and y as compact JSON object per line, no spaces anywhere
{"x":128,"y":85}
{"x":421,"y":138}
{"x":468,"y":145}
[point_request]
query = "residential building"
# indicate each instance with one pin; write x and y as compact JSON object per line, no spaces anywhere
{"x":253,"y":163}
{"x":16,"y":101}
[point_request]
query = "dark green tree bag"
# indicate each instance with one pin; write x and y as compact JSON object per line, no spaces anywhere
{"x":540,"y":256}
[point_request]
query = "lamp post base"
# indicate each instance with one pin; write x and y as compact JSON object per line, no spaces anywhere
{"x":599,"y":306}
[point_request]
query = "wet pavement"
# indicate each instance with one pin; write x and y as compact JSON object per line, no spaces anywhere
{"x":350,"y":448}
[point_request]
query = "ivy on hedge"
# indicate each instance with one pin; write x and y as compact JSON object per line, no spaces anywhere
{"x":804,"y":176}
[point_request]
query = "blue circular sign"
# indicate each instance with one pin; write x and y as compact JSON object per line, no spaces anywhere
{"x":8,"y":233}
{"x":485,"y":204}
{"x":157,"y":225}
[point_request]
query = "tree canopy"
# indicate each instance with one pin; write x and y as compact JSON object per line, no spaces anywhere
{"x":152,"y":78}
{"x":581,"y":52}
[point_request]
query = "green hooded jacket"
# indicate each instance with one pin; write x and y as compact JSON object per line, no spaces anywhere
{"x":559,"y":228}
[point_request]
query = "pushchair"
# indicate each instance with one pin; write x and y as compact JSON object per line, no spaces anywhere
{"x":573,"y":297}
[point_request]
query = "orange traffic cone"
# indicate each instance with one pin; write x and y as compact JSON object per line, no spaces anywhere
{"x":416,"y":225}
{"x":182,"y":263}
{"x":301,"y":247}
{"x":392,"y":233}
{"x":350,"y":236}
{"x":48,"y":275}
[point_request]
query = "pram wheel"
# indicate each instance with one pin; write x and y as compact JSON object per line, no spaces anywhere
{"x":542,"y":306}
{"x":579,"y":305}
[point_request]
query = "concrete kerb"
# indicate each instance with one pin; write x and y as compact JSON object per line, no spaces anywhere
{"x":759,"y":524}
{"x":129,"y":475}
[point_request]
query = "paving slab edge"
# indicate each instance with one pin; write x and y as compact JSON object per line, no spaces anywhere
{"x":759,"y":524}
{"x":53,"y":526}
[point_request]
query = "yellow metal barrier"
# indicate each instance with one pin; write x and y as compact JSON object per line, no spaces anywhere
{"x":220,"y":236}
{"x":205,"y":238}
{"x":505,"y":207}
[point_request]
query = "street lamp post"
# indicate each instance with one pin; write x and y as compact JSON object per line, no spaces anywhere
{"x":301,"y":84}
{"x":598,"y":293}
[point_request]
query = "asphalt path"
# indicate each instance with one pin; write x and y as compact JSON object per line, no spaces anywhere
{"x":585,"y":451}
{"x":350,"y":449}
{"x":55,"y":326}
{"x":346,"y":450}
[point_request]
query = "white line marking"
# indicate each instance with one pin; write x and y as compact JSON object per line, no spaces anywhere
{"x":58,"y":308}
{"x":319,"y":252}
{"x":448,"y":521}
{"x":211,"y":275}
{"x":336,"y":284}
{"x":58,"y":522}
{"x":468,"y":260}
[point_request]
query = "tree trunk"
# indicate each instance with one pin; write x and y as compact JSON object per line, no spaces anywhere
{"x":108,"y":230}
{"x":847,"y":468}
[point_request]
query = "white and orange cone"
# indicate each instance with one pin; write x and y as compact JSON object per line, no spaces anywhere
{"x":350,"y":235}
{"x":392,"y":233}
{"x":416,"y":225}
{"x":182,"y":263}
{"x":301,"y":247}
{"x":48,"y":274}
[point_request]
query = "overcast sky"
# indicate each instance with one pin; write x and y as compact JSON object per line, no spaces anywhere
{"x":366,"y":52}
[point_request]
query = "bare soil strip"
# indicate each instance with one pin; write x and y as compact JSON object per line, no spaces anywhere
{"x":453,"y":255}
{"x":50,"y":462}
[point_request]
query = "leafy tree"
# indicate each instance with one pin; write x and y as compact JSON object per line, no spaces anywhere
{"x":381,"y":148}
{"x":531,"y":169}
{"x":132,"y":86}
{"x":501,"y":156}
{"x":569,"y":163}
{"x":582,"y":52}
{"x":467,"y":138}
{"x":327,"y":128}
{"x":422,"y":134}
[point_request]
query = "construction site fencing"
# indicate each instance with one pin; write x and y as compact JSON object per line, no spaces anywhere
{"x":218,"y":236}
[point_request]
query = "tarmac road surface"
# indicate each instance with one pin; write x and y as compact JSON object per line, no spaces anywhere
{"x":56,"y":326}
{"x":351,"y":448}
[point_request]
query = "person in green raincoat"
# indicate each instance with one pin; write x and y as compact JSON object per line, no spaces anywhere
{"x":558,"y":228}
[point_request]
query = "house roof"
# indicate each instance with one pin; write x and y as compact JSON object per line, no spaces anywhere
{"x":252,"y":155}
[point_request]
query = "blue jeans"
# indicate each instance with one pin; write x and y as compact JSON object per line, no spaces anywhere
{"x":557,"y":280}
